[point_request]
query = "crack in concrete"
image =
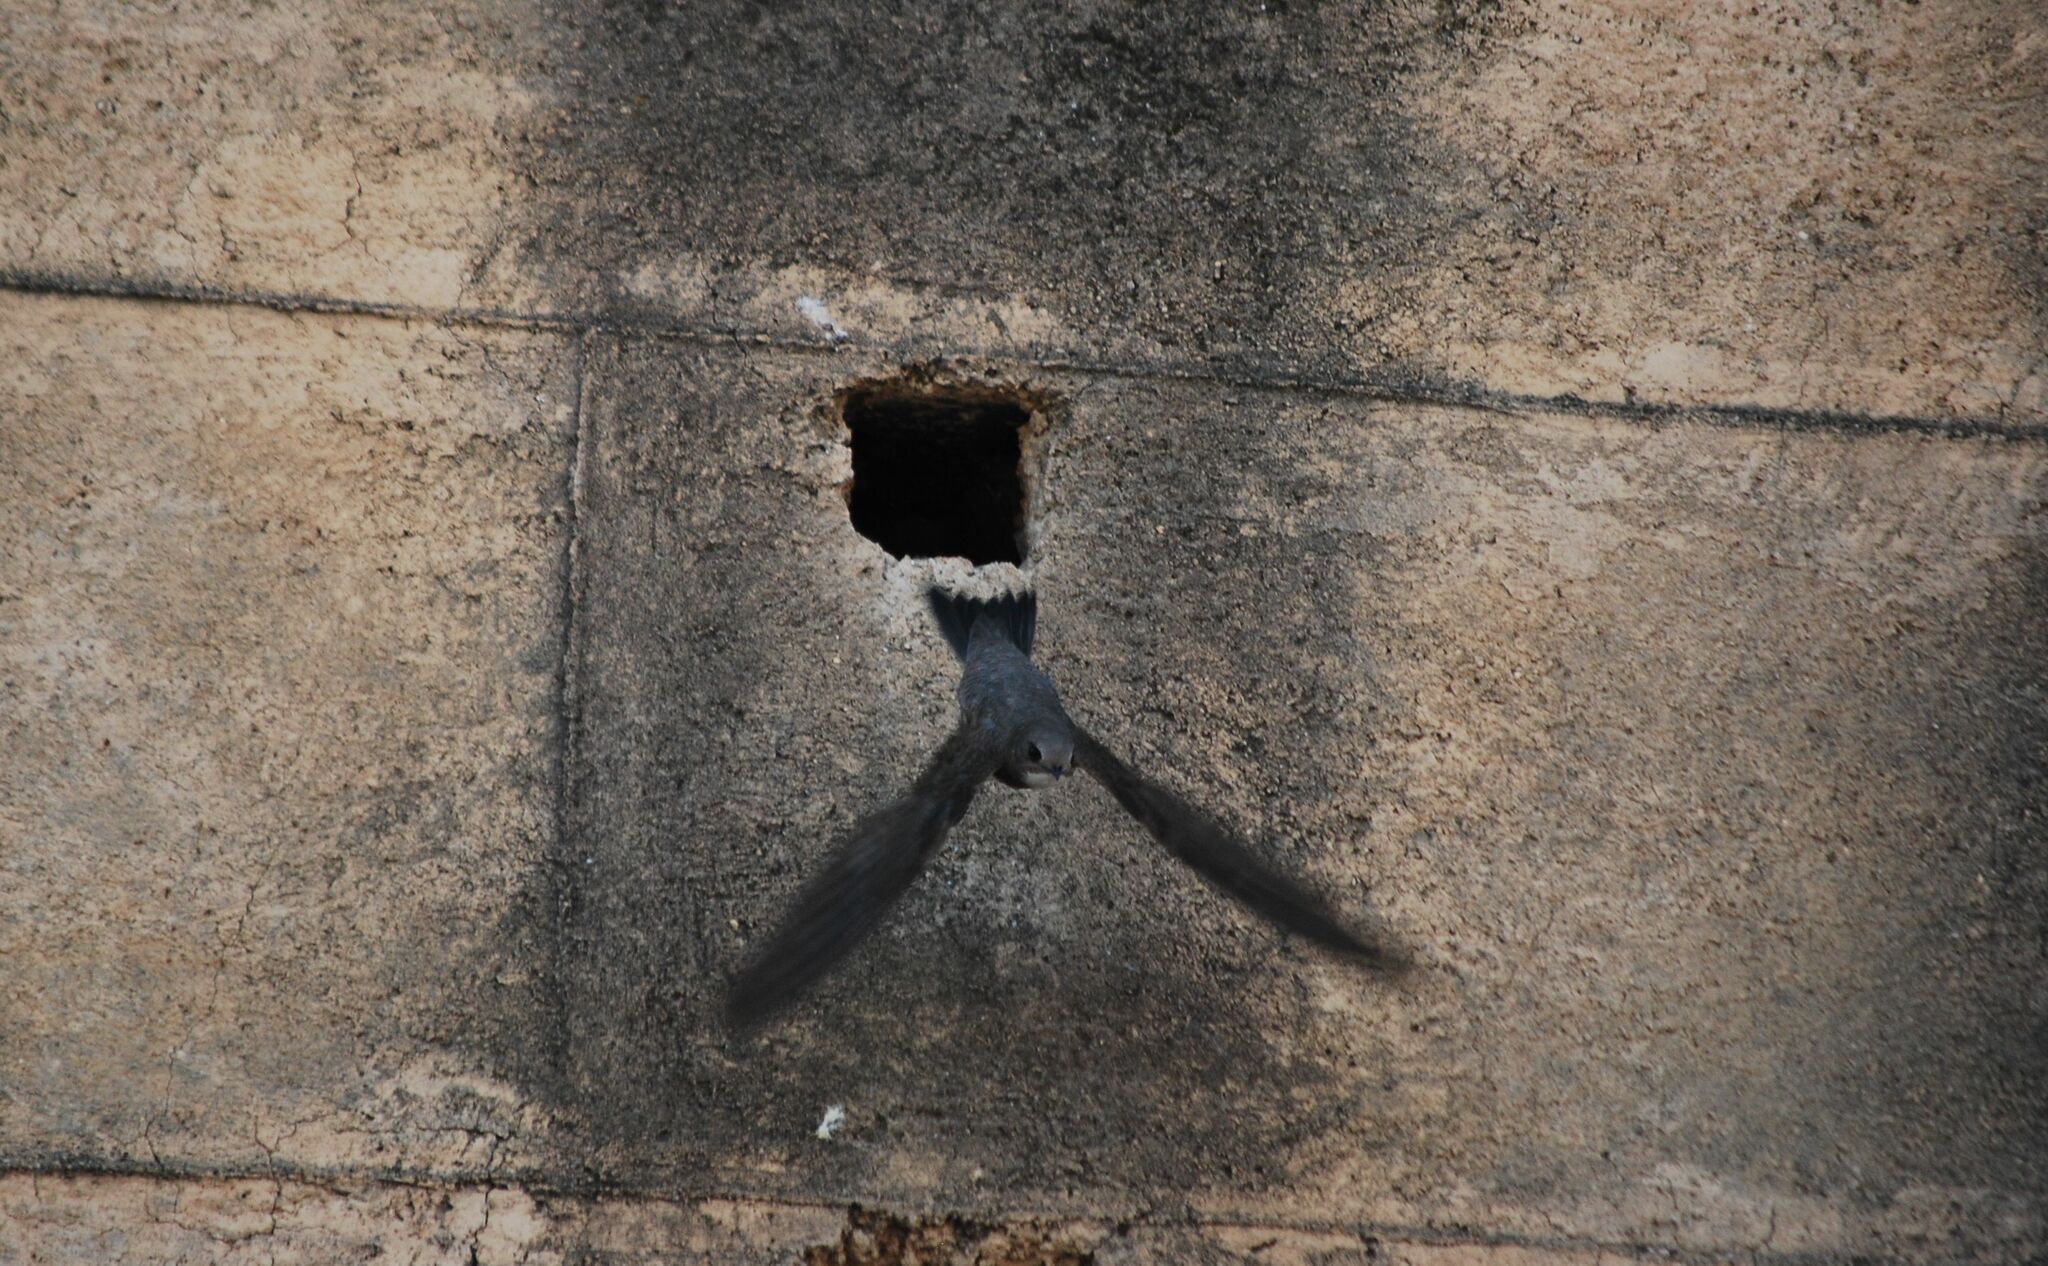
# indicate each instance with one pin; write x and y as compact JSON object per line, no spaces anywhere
{"x":1394,"y":389}
{"x":359,"y":1187}
{"x":566,"y":703}
{"x":348,"y":209}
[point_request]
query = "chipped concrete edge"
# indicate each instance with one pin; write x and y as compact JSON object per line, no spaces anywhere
{"x":287,"y":1217}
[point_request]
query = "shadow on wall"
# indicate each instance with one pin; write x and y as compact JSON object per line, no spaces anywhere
{"x":1194,"y":177}
{"x":1055,"y":1002}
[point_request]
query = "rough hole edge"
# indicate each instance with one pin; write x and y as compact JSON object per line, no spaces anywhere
{"x":1044,"y":410}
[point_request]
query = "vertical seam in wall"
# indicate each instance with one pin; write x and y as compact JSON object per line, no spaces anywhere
{"x":568,"y":708}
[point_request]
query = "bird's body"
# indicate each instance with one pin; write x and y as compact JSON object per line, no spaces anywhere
{"x":1013,"y":728}
{"x":1003,"y":695}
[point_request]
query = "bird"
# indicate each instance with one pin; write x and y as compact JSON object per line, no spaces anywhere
{"x":1013,"y":728}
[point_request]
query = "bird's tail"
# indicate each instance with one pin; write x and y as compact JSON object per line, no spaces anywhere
{"x":1015,"y":613}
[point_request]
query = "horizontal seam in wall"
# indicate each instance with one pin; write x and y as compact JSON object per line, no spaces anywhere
{"x":1389,"y":390}
{"x":348,"y":1184}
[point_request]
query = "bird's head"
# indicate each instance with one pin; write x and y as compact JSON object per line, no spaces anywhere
{"x":1044,"y":756}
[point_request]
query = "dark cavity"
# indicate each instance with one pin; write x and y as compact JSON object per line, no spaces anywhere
{"x":937,"y":474}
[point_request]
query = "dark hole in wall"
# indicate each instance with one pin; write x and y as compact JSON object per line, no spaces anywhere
{"x":936,"y":474}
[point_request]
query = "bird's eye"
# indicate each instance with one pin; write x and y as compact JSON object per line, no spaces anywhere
{"x":1033,"y":753}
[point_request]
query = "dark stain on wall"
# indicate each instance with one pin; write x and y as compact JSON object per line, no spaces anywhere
{"x":1186,"y":177}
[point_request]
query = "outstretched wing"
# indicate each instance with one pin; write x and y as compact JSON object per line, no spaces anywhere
{"x":1218,"y":857}
{"x":873,"y":866}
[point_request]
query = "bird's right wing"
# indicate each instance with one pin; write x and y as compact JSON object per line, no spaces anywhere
{"x":1217,"y":856}
{"x":872,"y":867}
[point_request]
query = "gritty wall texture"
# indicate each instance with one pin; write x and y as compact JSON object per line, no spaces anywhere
{"x":1569,"y":480}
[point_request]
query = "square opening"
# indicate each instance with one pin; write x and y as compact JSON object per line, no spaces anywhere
{"x":937,"y":473}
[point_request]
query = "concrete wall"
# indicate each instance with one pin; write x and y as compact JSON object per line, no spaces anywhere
{"x":1568,"y":480}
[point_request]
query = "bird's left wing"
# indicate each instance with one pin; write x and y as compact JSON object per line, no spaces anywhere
{"x":1217,"y":856}
{"x":873,"y":866}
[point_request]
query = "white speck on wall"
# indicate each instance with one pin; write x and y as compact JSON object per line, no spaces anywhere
{"x":817,"y":314}
{"x":835,"y":1116}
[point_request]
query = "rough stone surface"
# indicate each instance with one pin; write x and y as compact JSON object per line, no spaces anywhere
{"x":287,"y":1223}
{"x":259,"y":1219}
{"x":1822,"y":206}
{"x":1710,"y":809}
{"x":1568,"y":480}
{"x":1798,"y":205}
{"x":279,"y":629}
